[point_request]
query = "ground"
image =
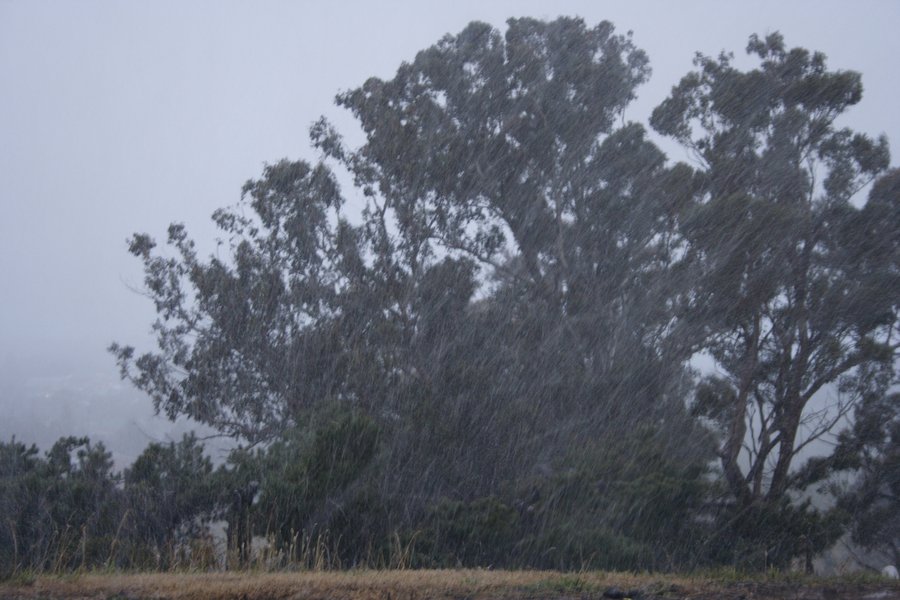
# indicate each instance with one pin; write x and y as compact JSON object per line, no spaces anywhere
{"x":442,"y":585}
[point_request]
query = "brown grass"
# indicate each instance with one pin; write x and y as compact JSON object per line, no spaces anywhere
{"x":437,"y":585}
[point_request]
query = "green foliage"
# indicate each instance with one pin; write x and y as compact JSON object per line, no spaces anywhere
{"x":308,"y":483}
{"x":467,"y":534}
{"x":769,"y":536}
{"x":630,"y":506}
{"x":170,"y":494}
{"x":873,"y":501}
{"x":61,"y":511}
{"x":21,"y":487}
{"x":633,"y":506}
{"x":70,"y":510}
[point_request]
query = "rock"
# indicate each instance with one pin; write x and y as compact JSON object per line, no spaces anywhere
{"x":890,"y":571}
{"x":618,"y":594}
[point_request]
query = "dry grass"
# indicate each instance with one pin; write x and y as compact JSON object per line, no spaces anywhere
{"x":431,"y":585}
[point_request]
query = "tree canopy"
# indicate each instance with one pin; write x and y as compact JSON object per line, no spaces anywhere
{"x":521,"y":294}
{"x":794,"y":301}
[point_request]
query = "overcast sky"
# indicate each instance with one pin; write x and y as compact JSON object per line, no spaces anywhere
{"x":117,"y":117}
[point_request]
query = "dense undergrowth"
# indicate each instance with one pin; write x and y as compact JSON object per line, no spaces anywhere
{"x":308,"y":503}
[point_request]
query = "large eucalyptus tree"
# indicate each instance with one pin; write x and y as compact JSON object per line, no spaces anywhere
{"x":796,"y":279}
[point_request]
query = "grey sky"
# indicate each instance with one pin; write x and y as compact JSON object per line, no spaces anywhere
{"x":118,"y":117}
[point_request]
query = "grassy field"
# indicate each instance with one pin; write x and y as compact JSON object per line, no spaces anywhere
{"x":442,"y":585}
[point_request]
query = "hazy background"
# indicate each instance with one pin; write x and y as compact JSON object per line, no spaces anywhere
{"x":120,"y":117}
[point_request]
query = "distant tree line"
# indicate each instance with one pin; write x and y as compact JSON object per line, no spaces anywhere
{"x":482,"y":356}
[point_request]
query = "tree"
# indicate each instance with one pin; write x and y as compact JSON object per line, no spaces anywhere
{"x":528,"y":279}
{"x":478,"y":139}
{"x":302,"y":488}
{"x":21,"y":486}
{"x":492,"y":168}
{"x":83,"y":500}
{"x":794,"y":299}
{"x":171,"y":493}
{"x":873,"y":501}
{"x":868,"y":449}
{"x":503,"y":150}
{"x":61,"y":511}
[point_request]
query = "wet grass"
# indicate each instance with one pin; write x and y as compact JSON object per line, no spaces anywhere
{"x":442,"y":585}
